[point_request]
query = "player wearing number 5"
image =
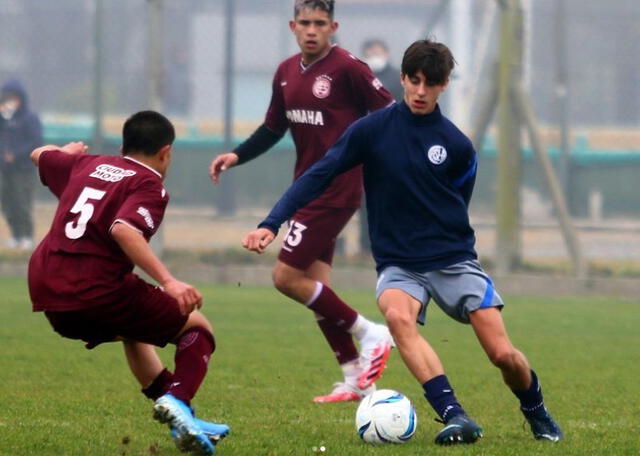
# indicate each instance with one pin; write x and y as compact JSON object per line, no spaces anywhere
{"x":317,"y":94}
{"x":81,"y":273}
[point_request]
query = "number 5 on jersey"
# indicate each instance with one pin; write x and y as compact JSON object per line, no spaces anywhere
{"x":82,"y":206}
{"x":294,"y":235}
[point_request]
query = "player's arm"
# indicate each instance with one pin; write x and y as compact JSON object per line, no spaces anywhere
{"x":136,"y":247}
{"x":367,"y":88}
{"x":345,"y":154}
{"x":465,"y":173}
{"x":266,"y":135}
{"x":257,"y":144}
{"x":73,"y":148}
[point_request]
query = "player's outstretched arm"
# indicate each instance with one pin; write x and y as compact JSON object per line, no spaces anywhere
{"x":72,"y":148}
{"x":136,"y":247}
{"x":258,"y":240}
{"x":257,"y":144}
{"x":220,"y":164}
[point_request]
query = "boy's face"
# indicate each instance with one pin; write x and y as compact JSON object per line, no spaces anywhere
{"x":313,"y":29}
{"x":420,"y":97}
{"x":9,"y":105}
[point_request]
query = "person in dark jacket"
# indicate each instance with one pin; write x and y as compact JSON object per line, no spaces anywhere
{"x":375,"y":53}
{"x":20,"y":133}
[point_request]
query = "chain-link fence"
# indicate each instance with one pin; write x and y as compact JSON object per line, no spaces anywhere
{"x":87,"y":59}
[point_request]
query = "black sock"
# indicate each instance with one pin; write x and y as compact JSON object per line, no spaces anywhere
{"x":531,"y":400}
{"x":440,"y":395}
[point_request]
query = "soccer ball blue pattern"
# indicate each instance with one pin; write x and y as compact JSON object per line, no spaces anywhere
{"x":386,"y":416}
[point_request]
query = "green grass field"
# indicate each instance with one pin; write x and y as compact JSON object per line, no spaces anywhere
{"x":60,"y":399}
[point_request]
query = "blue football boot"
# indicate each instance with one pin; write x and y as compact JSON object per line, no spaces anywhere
{"x":543,"y":425}
{"x":213,"y":431}
{"x":168,"y":409}
{"x":459,"y":429}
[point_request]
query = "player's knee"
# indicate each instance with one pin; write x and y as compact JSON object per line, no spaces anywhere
{"x":399,"y":321}
{"x":281,"y":282}
{"x":197,"y":319}
{"x":285,"y":283}
{"x":188,"y":337}
{"x":506,"y":359}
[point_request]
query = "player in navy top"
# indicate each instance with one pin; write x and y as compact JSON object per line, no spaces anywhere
{"x":419,"y":172}
{"x":317,"y":94}
{"x":81,"y":276}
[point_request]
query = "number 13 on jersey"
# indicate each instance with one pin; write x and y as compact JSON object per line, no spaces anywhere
{"x":294,"y":235}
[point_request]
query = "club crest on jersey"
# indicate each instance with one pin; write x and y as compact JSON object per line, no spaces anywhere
{"x":111,"y":173}
{"x":322,"y":86}
{"x":437,"y":154}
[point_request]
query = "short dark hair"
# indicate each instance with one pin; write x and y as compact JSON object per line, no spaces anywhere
{"x":146,"y":132}
{"x":433,"y":59}
{"x":324,"y":5}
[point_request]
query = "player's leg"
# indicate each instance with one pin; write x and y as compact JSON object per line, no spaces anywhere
{"x":303,"y":273}
{"x":156,"y":380}
{"x":146,"y":367}
{"x":516,"y":372}
{"x":401,"y":300}
{"x":353,"y":364}
{"x":149,"y":315}
{"x":194,"y":347}
{"x":23,"y":201}
{"x":340,"y":323}
{"x":7,"y":195}
{"x":342,"y":345}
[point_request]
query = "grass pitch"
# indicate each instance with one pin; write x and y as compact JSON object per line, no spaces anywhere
{"x":60,"y":399}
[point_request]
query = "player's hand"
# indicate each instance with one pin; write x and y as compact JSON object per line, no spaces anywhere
{"x":188,"y":297}
{"x":75,"y":148}
{"x":220,"y":164}
{"x":258,"y":240}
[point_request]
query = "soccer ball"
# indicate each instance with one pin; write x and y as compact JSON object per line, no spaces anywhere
{"x":386,"y":416}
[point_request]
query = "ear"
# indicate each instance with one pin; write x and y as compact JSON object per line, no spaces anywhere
{"x":164,"y":153}
{"x":121,"y":151}
{"x":334,"y":27}
{"x":292,"y":25}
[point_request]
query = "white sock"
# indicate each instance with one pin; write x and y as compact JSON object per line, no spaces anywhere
{"x":360,"y":327}
{"x":351,"y":370}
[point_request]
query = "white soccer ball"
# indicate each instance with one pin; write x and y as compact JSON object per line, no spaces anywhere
{"x":386,"y":416}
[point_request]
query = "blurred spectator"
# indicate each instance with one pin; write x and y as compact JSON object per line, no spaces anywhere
{"x":20,"y":133}
{"x":376,"y":54}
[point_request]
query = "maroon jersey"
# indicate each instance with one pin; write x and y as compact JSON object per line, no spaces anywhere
{"x":318,"y":103}
{"x":94,"y":192}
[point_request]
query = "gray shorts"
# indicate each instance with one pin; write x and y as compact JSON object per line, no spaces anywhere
{"x":458,"y":289}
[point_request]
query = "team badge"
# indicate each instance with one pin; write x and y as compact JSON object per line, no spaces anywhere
{"x":322,"y":87}
{"x":437,"y":154}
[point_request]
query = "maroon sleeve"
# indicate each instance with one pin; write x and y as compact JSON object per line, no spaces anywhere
{"x":55,"y":168}
{"x":144,"y":208}
{"x":276,"y":118}
{"x":367,"y":87}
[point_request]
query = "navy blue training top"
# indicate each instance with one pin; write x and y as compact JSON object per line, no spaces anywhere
{"x":419,"y":172}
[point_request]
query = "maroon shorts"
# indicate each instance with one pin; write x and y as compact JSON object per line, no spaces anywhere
{"x":312,"y":235}
{"x":143,"y":313}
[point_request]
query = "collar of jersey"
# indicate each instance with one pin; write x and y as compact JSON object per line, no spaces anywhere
{"x":432,"y":117}
{"x":306,"y":68}
{"x":142,"y":164}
